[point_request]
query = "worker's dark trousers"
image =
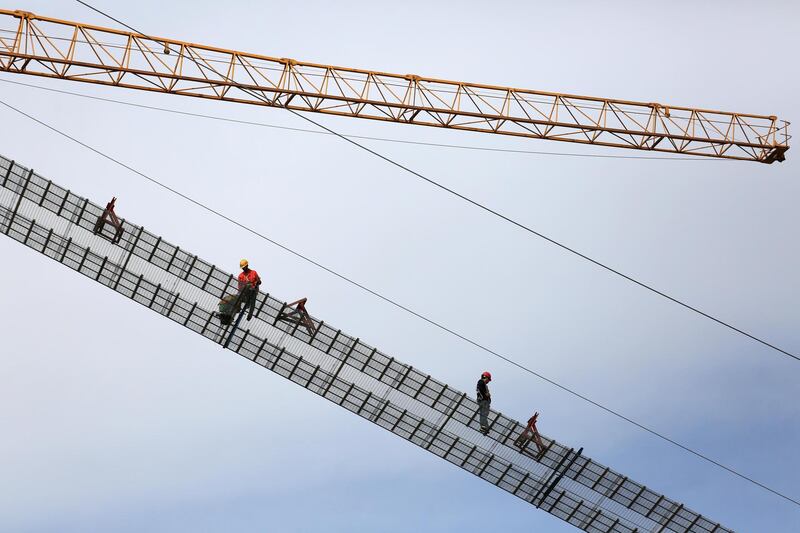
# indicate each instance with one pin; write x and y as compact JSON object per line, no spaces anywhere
{"x":249,"y":298}
{"x":483,"y":411}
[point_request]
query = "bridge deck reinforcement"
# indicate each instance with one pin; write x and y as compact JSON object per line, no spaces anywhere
{"x":184,"y":287}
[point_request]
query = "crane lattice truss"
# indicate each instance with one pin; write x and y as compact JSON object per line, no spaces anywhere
{"x":41,"y":46}
{"x":181,"y":286}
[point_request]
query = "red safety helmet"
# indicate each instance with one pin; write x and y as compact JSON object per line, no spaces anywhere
{"x":487,"y":375}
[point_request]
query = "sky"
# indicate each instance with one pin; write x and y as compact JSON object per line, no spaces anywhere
{"x":114,"y":419}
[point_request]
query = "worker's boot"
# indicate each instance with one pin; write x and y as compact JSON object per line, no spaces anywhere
{"x":484,"y":430}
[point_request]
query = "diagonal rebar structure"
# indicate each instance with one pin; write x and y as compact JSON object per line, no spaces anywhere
{"x":326,"y":361}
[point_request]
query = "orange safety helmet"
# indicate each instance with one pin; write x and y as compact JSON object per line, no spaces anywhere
{"x":486,"y":375}
{"x":243,"y":263}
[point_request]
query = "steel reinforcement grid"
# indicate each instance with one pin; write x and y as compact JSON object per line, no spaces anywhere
{"x":397,"y":397}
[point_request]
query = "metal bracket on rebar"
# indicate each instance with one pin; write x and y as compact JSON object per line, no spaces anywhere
{"x":297,"y":315}
{"x":531,"y":434}
{"x":109,"y":217}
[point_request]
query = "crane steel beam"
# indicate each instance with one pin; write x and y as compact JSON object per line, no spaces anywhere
{"x":43,"y":46}
{"x":590,"y":496}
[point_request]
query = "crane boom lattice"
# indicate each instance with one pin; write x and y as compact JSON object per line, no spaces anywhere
{"x":42,"y":46}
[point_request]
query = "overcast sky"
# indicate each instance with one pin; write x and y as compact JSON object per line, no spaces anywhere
{"x":115,"y":419}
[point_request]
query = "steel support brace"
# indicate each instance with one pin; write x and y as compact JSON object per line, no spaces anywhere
{"x":19,"y":201}
{"x":416,"y":428}
{"x":172,"y":305}
{"x":47,"y":241}
{"x":485,"y":465}
{"x":558,"y":478}
{"x":314,"y":336}
{"x":189,"y":269}
{"x":153,"y":251}
{"x":574,"y":510}
{"x":399,"y":418}
{"x":550,"y":510}
{"x":277,"y":358}
{"x":233,"y":329}
{"x":191,"y":312}
{"x":399,"y":382}
{"x":696,"y":519}
{"x":521,"y":482}
{"x":46,"y":190}
{"x":619,"y":486}
{"x":172,"y":259}
{"x":8,"y":173}
{"x":100,"y":270}
{"x":587,"y":524}
{"x":497,"y":483}
{"x":388,"y":364}
{"x":28,"y":233}
{"x":551,"y":476}
{"x":514,"y":426}
{"x":335,"y":375}
{"x":439,"y":396}
{"x":333,"y":341}
{"x":658,"y":501}
{"x":63,"y":203}
{"x":260,"y":350}
{"x":210,"y":271}
{"x":346,"y":394}
{"x":128,"y":257}
{"x":456,"y":440}
{"x":380,"y":413}
{"x":241,"y":342}
{"x":580,"y":471}
{"x":205,"y":326}
{"x":638,"y":495}
{"x":369,"y":358}
{"x":364,"y":404}
{"x":311,"y":378}
{"x":82,"y":211}
{"x":83,"y":259}
{"x":427,"y":379}
{"x":446,"y":420}
{"x":66,"y":248}
{"x":260,"y":307}
{"x":600,"y":478}
{"x":474,"y":446}
{"x":671,"y":517}
{"x":155,"y":294}
{"x":294,"y":367}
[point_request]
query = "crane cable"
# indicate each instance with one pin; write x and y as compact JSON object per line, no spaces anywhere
{"x":483,"y":207}
{"x":394,"y":303}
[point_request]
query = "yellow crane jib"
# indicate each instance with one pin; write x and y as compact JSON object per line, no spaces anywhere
{"x":43,"y":46}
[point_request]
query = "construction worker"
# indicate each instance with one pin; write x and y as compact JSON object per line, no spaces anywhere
{"x":484,"y":401}
{"x":249,"y":281}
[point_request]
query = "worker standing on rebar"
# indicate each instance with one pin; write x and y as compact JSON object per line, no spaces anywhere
{"x":484,"y":401}
{"x":249,"y":281}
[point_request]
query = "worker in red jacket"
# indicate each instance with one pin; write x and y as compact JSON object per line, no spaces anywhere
{"x":249,"y":281}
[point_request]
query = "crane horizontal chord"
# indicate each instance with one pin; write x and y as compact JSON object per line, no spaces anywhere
{"x":42,"y":46}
